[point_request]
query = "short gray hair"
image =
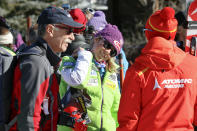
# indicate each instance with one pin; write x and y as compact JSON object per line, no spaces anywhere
{"x":41,"y":29}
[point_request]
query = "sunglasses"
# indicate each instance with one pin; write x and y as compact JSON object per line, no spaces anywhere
{"x":145,"y":29}
{"x":108,"y":45}
{"x":68,"y":30}
{"x":90,"y":10}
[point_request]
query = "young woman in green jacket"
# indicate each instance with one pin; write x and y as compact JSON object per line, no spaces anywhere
{"x":95,"y":73}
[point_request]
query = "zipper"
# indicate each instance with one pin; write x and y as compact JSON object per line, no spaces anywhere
{"x":52,"y":101}
{"x":101,"y":79}
{"x":51,"y":96}
{"x":51,"y":109}
{"x":102,"y":108}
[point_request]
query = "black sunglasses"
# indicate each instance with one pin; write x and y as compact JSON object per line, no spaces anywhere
{"x":90,"y":10}
{"x":68,"y":29}
{"x":108,"y":45}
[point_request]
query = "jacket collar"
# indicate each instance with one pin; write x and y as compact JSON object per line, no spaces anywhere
{"x":53,"y":58}
{"x":160,"y":53}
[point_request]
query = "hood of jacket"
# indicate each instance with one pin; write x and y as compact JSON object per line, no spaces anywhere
{"x":160,"y":53}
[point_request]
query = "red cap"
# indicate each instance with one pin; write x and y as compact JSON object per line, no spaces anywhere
{"x":162,"y":23}
{"x":78,"y":16}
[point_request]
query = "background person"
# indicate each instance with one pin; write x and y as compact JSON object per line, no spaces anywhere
{"x":78,"y":16}
{"x":17,"y":37}
{"x":6,"y":40}
{"x":180,"y":37}
{"x":95,"y":24}
{"x":89,"y":12}
{"x":6,"y":37}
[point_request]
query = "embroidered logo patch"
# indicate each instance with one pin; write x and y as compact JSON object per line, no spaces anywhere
{"x":93,"y":82}
{"x":176,"y":83}
{"x":172,"y":83}
{"x":68,"y":64}
{"x":117,"y":44}
{"x":93,"y":73}
{"x":156,"y":84}
{"x":111,"y":85}
{"x":112,"y":77}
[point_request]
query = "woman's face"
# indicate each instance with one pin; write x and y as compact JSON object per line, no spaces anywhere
{"x":103,"y":50}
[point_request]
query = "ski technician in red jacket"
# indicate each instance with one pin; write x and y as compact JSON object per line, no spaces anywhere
{"x":160,"y":88}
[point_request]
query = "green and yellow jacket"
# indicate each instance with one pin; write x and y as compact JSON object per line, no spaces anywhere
{"x":105,"y":95}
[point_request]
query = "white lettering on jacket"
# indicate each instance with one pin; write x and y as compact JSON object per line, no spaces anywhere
{"x":172,"y":83}
{"x":177,"y":81}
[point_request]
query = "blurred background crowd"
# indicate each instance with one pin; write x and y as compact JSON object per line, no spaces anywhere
{"x":129,"y":15}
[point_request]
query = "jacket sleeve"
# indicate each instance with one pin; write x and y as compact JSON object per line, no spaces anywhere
{"x":130,"y":102}
{"x":75,"y":76}
{"x":115,"y":106}
{"x":195,"y":115}
{"x":125,"y":62}
{"x":34,"y":85}
{"x":195,"y":109}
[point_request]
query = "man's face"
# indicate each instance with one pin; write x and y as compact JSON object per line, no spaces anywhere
{"x":61,"y":37}
{"x":181,"y":32}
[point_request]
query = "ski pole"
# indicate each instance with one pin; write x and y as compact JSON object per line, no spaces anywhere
{"x":28,"y":28}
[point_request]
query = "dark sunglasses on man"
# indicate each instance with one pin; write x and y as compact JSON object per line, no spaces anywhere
{"x":108,"y":45}
{"x":68,"y":29}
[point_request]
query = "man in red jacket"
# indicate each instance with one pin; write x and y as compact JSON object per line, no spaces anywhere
{"x":160,"y":88}
{"x":36,"y":81}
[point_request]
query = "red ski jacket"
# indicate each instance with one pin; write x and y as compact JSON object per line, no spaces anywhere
{"x":36,"y":86}
{"x":160,"y":90}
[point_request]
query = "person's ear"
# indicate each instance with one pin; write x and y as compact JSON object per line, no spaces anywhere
{"x":96,"y":39}
{"x":50,"y":29}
